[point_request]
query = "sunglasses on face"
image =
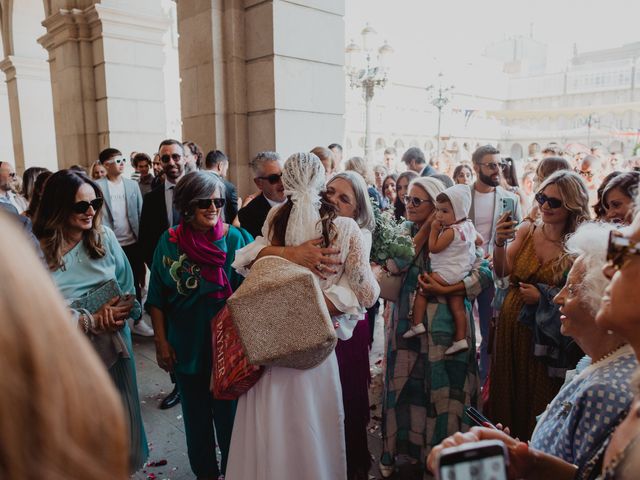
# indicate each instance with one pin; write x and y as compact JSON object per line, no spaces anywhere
{"x":619,"y":248}
{"x":541,"y":198}
{"x":12,"y":174}
{"x":82,"y":207}
{"x":273,"y":178}
{"x":167,"y":158}
{"x":205,"y":203}
{"x":588,"y":174}
{"x":415,"y":201}
{"x":493,"y":166}
{"x":118,"y":161}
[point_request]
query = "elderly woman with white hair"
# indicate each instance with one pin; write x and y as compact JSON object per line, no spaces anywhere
{"x":576,"y":425}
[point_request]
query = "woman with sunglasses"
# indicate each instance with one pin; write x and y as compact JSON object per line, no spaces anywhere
{"x":419,"y":406}
{"x":84,"y":255}
{"x":522,"y":384}
{"x":191,"y":279}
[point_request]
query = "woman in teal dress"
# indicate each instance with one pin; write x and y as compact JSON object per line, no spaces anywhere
{"x":191,"y":279}
{"x":426,"y":391}
{"x":82,"y":256}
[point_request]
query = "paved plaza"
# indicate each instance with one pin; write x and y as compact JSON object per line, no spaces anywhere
{"x":165,"y":428}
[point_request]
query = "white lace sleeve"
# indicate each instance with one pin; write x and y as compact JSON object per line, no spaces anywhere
{"x":358,"y":271}
{"x":247,"y":255}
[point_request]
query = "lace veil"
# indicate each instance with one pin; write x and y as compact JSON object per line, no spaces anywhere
{"x":303,"y":178}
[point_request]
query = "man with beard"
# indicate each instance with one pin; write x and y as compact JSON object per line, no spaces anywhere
{"x":486,"y":209}
{"x":159,"y":213}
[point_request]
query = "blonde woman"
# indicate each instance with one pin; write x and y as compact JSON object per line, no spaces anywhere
{"x":60,"y":416}
{"x":522,"y":382}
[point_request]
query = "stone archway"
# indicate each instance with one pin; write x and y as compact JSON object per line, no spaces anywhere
{"x":28,"y":84}
{"x":516,"y":151}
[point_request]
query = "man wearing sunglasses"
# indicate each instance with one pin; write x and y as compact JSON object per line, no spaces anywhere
{"x":487,"y":199}
{"x":123,"y":206}
{"x":267,"y":171}
{"x":7,"y":193}
{"x":159,"y":213}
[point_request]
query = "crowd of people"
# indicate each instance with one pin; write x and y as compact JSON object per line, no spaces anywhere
{"x":540,"y":256}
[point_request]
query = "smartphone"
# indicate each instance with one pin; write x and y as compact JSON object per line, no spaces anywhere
{"x":479,"y":419}
{"x":508,"y":205}
{"x":484,"y":460}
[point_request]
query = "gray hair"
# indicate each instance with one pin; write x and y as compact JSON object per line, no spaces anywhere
{"x":590,"y":242}
{"x":432,"y":186}
{"x":364,"y":211}
{"x":194,"y":186}
{"x":261,"y":158}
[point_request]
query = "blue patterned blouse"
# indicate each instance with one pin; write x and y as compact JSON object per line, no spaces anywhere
{"x":587,"y":409}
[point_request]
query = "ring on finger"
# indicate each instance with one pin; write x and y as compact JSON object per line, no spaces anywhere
{"x":319,"y":267}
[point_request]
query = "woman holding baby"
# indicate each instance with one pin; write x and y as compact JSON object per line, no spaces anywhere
{"x":426,"y":389}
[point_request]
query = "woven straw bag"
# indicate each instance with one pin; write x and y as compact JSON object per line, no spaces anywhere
{"x":281,"y":316}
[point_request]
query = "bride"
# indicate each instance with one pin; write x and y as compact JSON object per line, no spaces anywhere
{"x":291,"y":423}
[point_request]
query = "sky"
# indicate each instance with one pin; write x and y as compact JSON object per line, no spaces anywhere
{"x":425,"y":33}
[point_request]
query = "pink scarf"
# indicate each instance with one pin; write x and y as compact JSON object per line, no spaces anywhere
{"x":200,"y":248}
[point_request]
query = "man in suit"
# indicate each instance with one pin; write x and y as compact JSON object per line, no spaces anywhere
{"x":123,"y":205}
{"x":267,"y":171}
{"x":486,"y":208}
{"x":218,"y":163}
{"x":159,"y":213}
{"x":415,"y":160}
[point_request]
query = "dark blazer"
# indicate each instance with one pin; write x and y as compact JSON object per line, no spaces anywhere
{"x":252,"y":216}
{"x":153,"y":222}
{"x":231,"y":205}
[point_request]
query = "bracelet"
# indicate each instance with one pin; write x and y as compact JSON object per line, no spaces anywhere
{"x":85,"y":323}
{"x":498,"y":245}
{"x":282,"y":253}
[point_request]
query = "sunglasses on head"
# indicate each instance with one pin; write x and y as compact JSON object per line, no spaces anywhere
{"x":415,"y":201}
{"x":273,"y":178}
{"x":82,"y":207}
{"x":541,"y":198}
{"x":205,"y":203}
{"x":619,"y":248}
{"x":167,"y":158}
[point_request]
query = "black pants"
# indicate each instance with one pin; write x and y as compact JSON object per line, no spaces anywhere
{"x":134,"y":255}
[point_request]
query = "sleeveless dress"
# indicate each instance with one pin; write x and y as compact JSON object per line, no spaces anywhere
{"x":521,"y":388}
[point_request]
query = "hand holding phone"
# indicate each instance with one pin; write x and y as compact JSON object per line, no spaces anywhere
{"x":475,"y":460}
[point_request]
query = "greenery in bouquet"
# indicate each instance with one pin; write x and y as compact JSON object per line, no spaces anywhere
{"x":390,"y":240}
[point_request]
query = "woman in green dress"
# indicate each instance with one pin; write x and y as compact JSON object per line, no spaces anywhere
{"x":191,"y":279}
{"x":425,"y":392}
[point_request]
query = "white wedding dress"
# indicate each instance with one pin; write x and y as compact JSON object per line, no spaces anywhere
{"x":290,"y":425}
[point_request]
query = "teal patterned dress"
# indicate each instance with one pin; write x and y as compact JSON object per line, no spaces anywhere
{"x":425,"y":392}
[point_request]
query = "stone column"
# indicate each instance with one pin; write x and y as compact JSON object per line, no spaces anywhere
{"x":261,"y":75}
{"x":6,"y":140}
{"x":32,"y":127}
{"x":106,"y":66}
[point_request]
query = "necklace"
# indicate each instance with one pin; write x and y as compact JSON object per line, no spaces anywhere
{"x":607,"y":355}
{"x":544,"y":234}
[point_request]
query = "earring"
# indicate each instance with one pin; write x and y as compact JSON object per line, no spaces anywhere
{"x":609,"y":332}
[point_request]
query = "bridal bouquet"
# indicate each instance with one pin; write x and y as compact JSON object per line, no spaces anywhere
{"x":390,"y":240}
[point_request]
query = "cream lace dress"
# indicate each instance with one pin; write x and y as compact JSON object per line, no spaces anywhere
{"x":290,"y":425}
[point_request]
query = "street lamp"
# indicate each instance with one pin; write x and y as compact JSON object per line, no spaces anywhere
{"x":591,"y":119}
{"x":440,"y":97}
{"x":367,"y":73}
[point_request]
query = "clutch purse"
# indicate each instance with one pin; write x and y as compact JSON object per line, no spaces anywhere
{"x":232,"y":374}
{"x":109,"y":346}
{"x":98,"y":296}
{"x":281,"y":316}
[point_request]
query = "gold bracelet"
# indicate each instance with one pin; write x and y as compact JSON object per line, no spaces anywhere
{"x":282,"y":254}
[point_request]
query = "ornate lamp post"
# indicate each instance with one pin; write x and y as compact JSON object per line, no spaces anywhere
{"x":367,"y":73}
{"x":591,"y":119}
{"x":440,"y":97}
